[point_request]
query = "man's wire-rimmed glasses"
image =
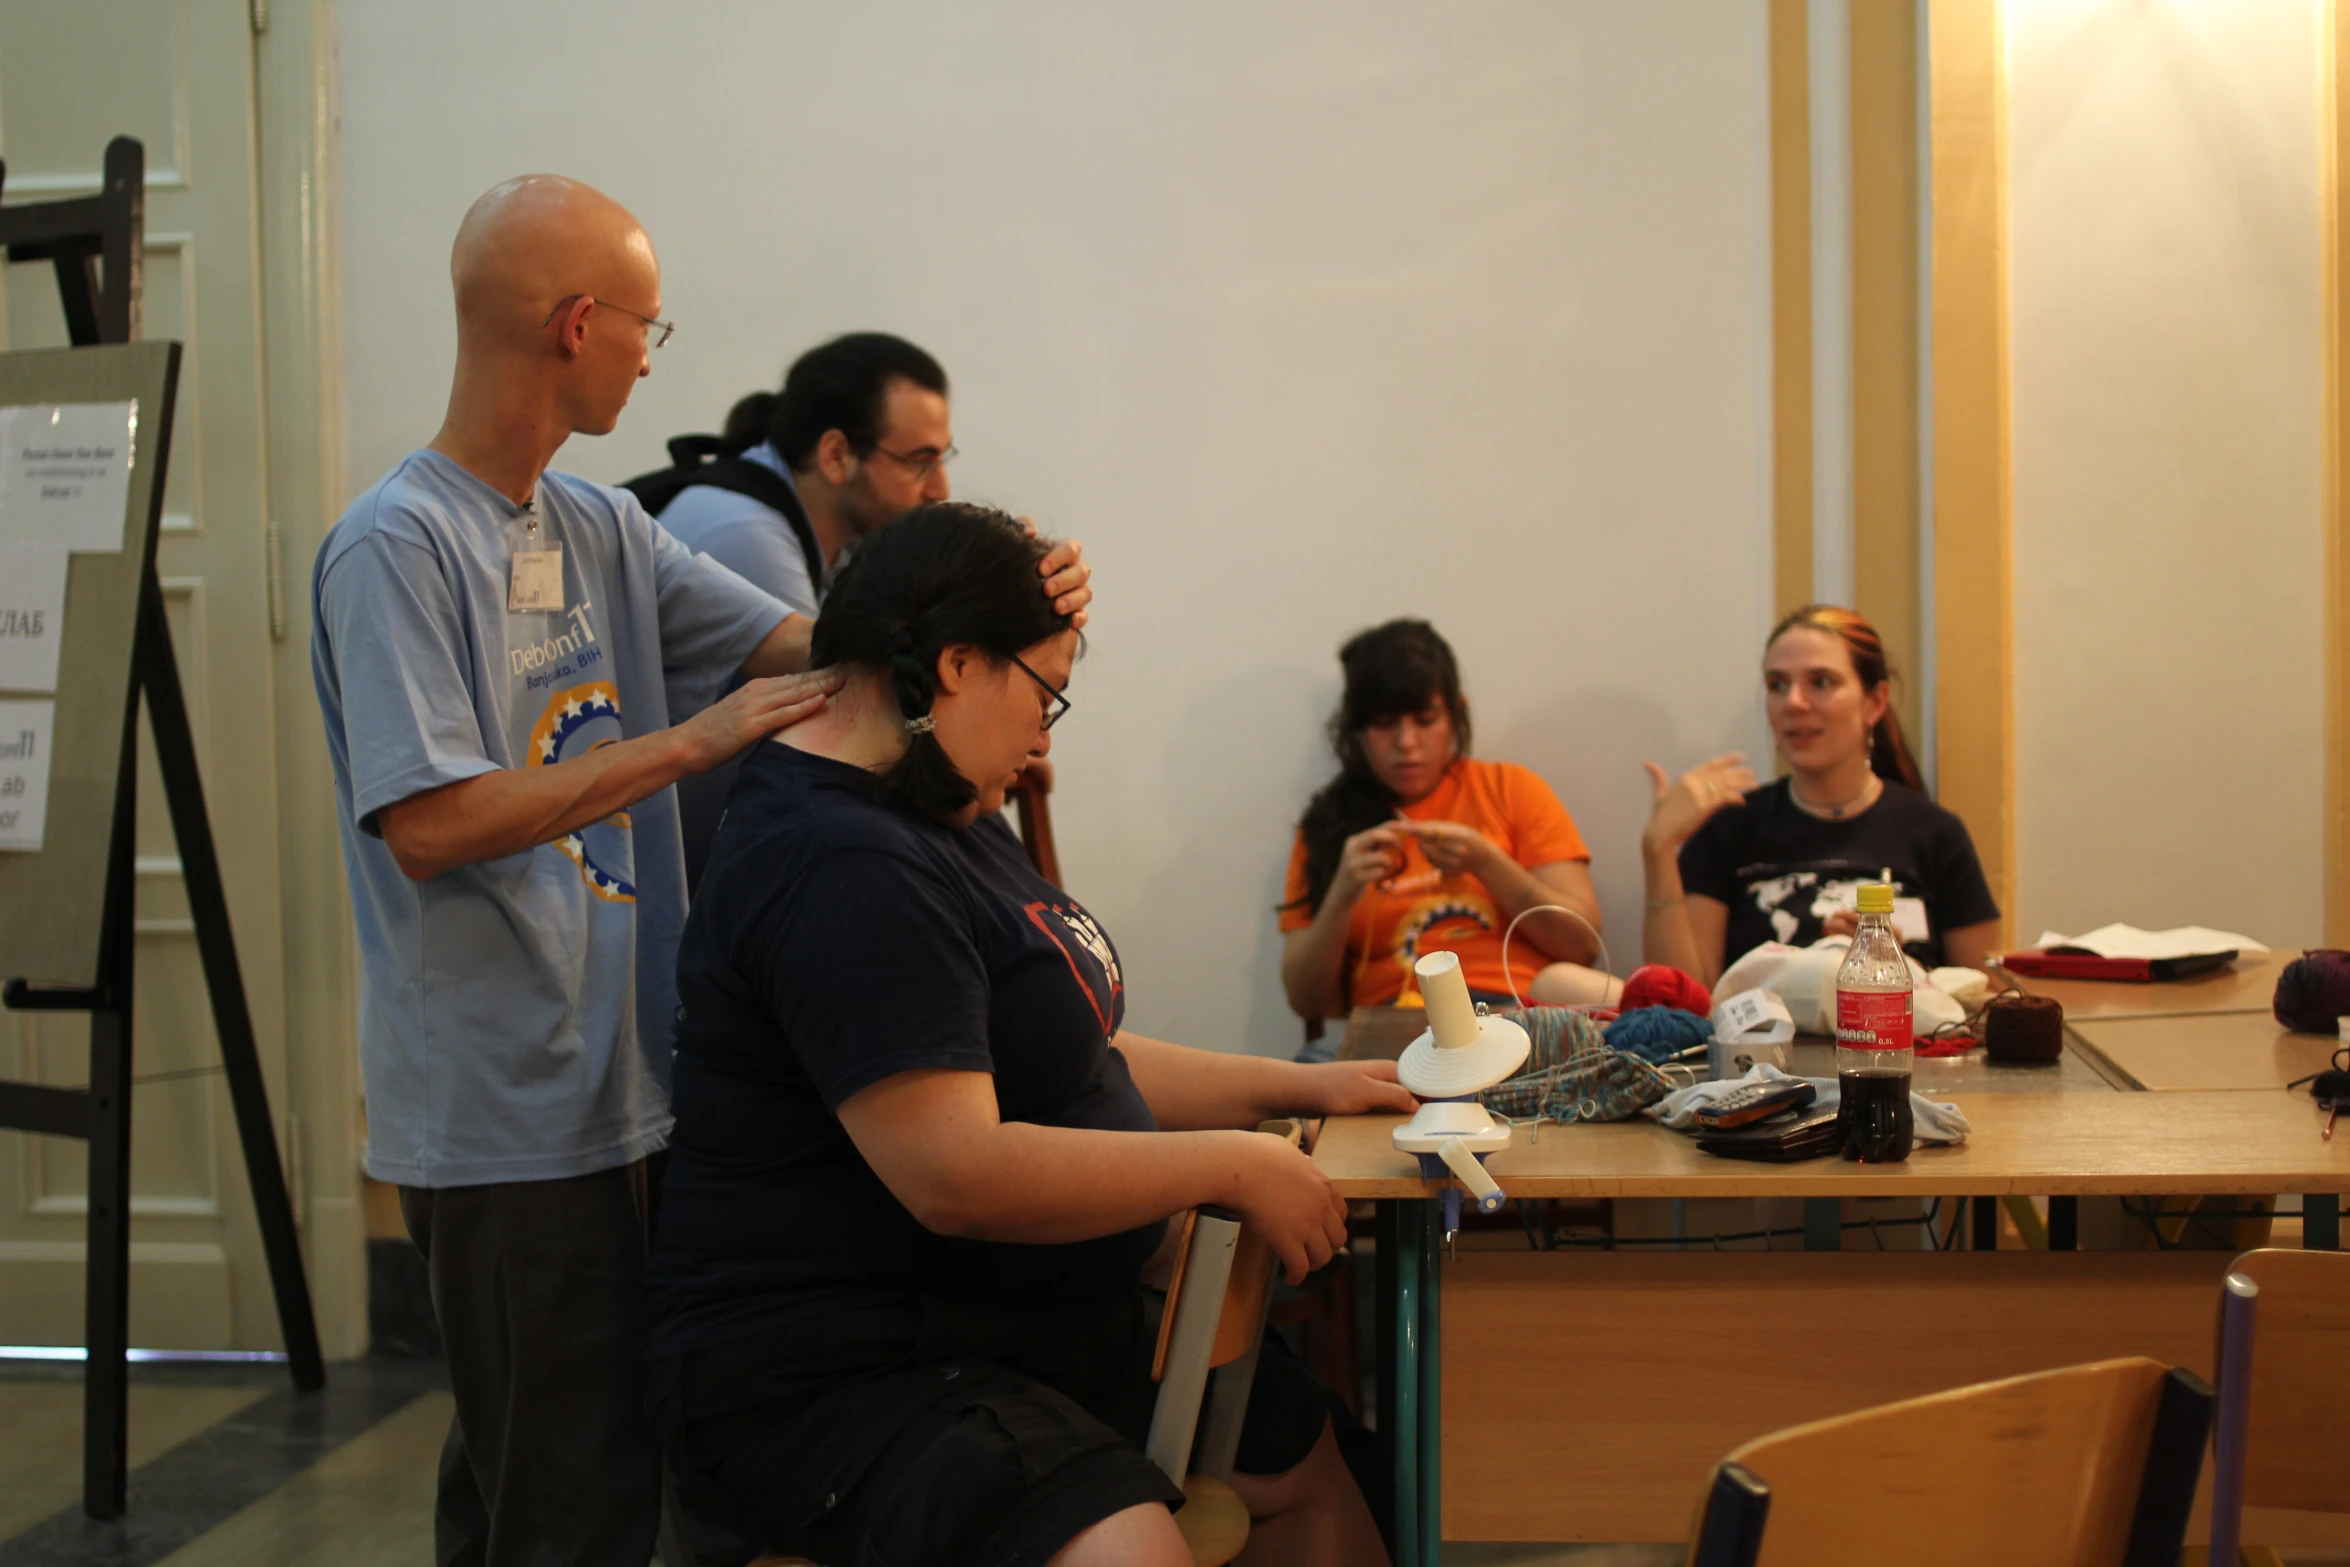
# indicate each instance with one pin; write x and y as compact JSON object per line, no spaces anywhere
{"x":921,"y":467}
{"x":656,"y":332}
{"x":1058,"y":707}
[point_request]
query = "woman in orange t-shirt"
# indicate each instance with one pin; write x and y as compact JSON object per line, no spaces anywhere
{"x":1417,"y":847}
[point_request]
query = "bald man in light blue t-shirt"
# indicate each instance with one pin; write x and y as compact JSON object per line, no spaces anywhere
{"x":504,"y":657}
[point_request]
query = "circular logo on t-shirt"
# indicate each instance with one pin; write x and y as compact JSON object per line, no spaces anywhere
{"x":576,"y":721}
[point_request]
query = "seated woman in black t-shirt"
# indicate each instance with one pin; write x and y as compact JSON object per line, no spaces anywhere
{"x":919,"y":1168}
{"x":1731,"y":865}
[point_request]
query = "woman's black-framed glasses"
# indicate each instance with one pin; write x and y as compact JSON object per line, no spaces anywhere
{"x":656,"y":332}
{"x":1058,"y":707}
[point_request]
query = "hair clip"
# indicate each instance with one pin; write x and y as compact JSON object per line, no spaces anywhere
{"x":920,"y":726}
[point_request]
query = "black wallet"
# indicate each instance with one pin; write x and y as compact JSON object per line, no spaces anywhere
{"x":1783,"y":1140}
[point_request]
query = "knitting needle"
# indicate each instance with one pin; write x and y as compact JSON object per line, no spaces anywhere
{"x":2327,"y":1135}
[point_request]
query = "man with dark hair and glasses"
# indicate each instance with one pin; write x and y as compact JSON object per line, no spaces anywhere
{"x":859,"y":435}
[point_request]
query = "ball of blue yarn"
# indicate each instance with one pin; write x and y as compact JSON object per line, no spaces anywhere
{"x":1658,"y":1034}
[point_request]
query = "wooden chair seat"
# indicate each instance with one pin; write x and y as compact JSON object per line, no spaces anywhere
{"x":1214,"y":1521}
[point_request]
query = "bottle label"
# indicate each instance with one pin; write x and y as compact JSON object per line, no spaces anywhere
{"x":1873,"y":1019}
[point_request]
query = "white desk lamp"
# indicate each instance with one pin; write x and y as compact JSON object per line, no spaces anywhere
{"x":1463,"y":1053}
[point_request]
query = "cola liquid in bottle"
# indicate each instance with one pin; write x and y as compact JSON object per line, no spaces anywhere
{"x":1873,"y":1045}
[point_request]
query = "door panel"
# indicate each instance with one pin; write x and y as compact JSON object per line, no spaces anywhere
{"x":179,"y":75}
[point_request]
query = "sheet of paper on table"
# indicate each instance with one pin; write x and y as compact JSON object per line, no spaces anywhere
{"x":65,"y":474}
{"x":2128,"y":941}
{"x":25,"y":731}
{"x":32,"y":614}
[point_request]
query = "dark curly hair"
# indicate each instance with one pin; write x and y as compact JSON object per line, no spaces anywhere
{"x":1392,"y":670}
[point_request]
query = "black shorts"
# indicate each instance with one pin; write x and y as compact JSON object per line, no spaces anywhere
{"x":934,"y":1432}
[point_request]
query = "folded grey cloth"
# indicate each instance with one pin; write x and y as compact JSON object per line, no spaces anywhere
{"x":1937,"y":1122}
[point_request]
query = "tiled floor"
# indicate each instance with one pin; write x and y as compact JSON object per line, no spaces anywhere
{"x":224,"y":1462}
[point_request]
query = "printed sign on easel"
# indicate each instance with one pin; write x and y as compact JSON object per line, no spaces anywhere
{"x":25,"y":732}
{"x":65,"y":473}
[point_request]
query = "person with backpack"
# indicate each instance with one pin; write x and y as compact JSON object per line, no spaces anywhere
{"x":858,"y":436}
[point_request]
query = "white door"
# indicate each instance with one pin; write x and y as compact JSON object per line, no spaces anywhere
{"x":178,"y":75}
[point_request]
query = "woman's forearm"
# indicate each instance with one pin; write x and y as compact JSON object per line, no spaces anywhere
{"x":1312,"y":958}
{"x":938,"y":1143}
{"x":1559,"y":937}
{"x":1199,"y":1090}
{"x":1053,"y":1185}
{"x":1665,"y":933}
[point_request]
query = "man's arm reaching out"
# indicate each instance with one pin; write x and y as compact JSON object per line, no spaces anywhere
{"x":518,"y":808}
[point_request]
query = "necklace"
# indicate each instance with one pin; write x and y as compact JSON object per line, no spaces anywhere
{"x":1837,"y":810}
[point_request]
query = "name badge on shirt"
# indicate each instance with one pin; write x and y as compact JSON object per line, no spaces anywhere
{"x":537,"y":580}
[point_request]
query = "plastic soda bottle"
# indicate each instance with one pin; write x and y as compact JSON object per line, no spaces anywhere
{"x":1874,"y":1051}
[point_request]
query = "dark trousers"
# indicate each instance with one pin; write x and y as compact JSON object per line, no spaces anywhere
{"x":539,"y":1288}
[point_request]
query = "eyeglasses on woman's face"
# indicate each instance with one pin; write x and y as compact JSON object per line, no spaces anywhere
{"x":1056,"y":704}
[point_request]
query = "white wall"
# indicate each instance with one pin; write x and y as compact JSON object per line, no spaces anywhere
{"x":2168,"y":464}
{"x":1301,"y":316}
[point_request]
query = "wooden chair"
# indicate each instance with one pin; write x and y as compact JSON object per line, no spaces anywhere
{"x":1207,"y":1357}
{"x":2283,"y":1437}
{"x":1030,"y":797}
{"x":2089,"y":1466}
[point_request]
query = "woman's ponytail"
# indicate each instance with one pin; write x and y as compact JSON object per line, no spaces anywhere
{"x":923,"y":780}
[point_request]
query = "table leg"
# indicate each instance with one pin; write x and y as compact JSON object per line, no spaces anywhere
{"x":2064,"y":1224}
{"x":1431,"y":1394}
{"x":2321,"y":1222}
{"x":1410,"y":1256}
{"x":1823,"y":1224}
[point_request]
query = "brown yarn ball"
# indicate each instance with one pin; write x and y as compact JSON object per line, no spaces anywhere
{"x":2028,"y":1029}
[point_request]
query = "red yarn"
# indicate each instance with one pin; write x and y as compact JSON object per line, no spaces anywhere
{"x":1660,"y":985}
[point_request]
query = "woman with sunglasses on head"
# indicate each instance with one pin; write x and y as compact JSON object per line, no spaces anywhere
{"x":1418,"y":847}
{"x":919,"y":1167}
{"x":1731,"y":864}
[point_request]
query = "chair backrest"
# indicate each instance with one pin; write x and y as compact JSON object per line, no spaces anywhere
{"x":2091,"y":1464}
{"x":2297,"y":1434}
{"x":1215,"y":1317}
{"x":1029,"y":798}
{"x":1730,"y":1520}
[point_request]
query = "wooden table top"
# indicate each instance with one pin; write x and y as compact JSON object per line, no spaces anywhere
{"x":2194,"y":1144}
{"x":2247,"y":985}
{"x":2205,"y":1050}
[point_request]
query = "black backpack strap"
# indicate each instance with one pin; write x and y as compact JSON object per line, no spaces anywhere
{"x":764,"y":485}
{"x":691,"y":451}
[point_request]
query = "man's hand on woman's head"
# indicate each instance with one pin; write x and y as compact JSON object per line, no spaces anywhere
{"x":1685,"y":804}
{"x":1067,"y":578}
